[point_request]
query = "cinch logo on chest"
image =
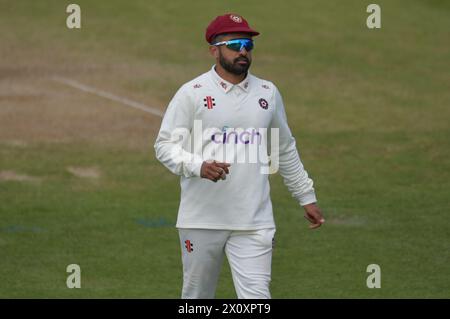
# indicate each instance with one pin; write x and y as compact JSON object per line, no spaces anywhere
{"x":209,"y":102}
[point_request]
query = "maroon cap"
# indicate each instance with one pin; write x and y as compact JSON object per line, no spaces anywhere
{"x":228,"y":23}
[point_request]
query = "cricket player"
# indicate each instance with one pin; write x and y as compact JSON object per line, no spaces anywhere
{"x":214,"y":128}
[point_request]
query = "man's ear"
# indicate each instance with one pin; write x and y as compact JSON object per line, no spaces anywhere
{"x":214,"y":51}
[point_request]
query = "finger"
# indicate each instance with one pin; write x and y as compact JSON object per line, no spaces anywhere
{"x":212,"y":178}
{"x":213,"y":172}
{"x":314,"y":226}
{"x":317,"y":224}
{"x":223,"y":174}
{"x":225,"y":169}
{"x":212,"y":175}
{"x":220,"y":173}
{"x":318,"y":219}
{"x":223,"y":166}
{"x":312,"y":221}
{"x":316,"y":215}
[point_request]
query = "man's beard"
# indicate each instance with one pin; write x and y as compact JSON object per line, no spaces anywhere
{"x":234,"y":67}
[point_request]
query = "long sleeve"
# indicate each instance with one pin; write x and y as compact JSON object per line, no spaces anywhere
{"x":174,"y":136}
{"x":290,"y":166}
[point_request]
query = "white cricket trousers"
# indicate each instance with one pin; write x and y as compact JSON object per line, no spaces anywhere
{"x":249,"y":254}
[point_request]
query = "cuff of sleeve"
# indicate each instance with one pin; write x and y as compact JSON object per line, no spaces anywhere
{"x":196,"y":169}
{"x":307,"y":198}
{"x":193,"y":166}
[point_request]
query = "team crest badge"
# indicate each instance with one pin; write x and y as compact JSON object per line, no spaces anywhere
{"x":236,"y":18}
{"x":263,"y":103}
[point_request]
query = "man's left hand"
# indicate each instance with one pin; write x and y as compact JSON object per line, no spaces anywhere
{"x":313,"y":215}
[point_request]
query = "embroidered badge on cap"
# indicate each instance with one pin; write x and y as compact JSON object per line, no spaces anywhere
{"x":236,"y":18}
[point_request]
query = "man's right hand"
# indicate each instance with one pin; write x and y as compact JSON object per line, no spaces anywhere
{"x":214,"y":171}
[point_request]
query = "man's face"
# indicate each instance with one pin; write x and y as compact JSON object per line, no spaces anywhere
{"x":232,"y":61}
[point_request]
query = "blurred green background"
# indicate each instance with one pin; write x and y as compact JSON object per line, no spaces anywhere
{"x":79,"y":182}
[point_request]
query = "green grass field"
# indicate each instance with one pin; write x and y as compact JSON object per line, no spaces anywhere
{"x":79,"y":182}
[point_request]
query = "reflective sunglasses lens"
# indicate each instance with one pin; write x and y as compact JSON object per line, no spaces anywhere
{"x":248,"y":45}
{"x":235,"y":46}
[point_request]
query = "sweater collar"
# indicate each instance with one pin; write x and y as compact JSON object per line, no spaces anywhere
{"x":227,"y":86}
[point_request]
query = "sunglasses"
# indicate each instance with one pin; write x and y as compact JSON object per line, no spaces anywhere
{"x":237,"y":44}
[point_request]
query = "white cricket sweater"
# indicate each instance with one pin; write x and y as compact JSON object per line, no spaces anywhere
{"x":235,"y":119}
